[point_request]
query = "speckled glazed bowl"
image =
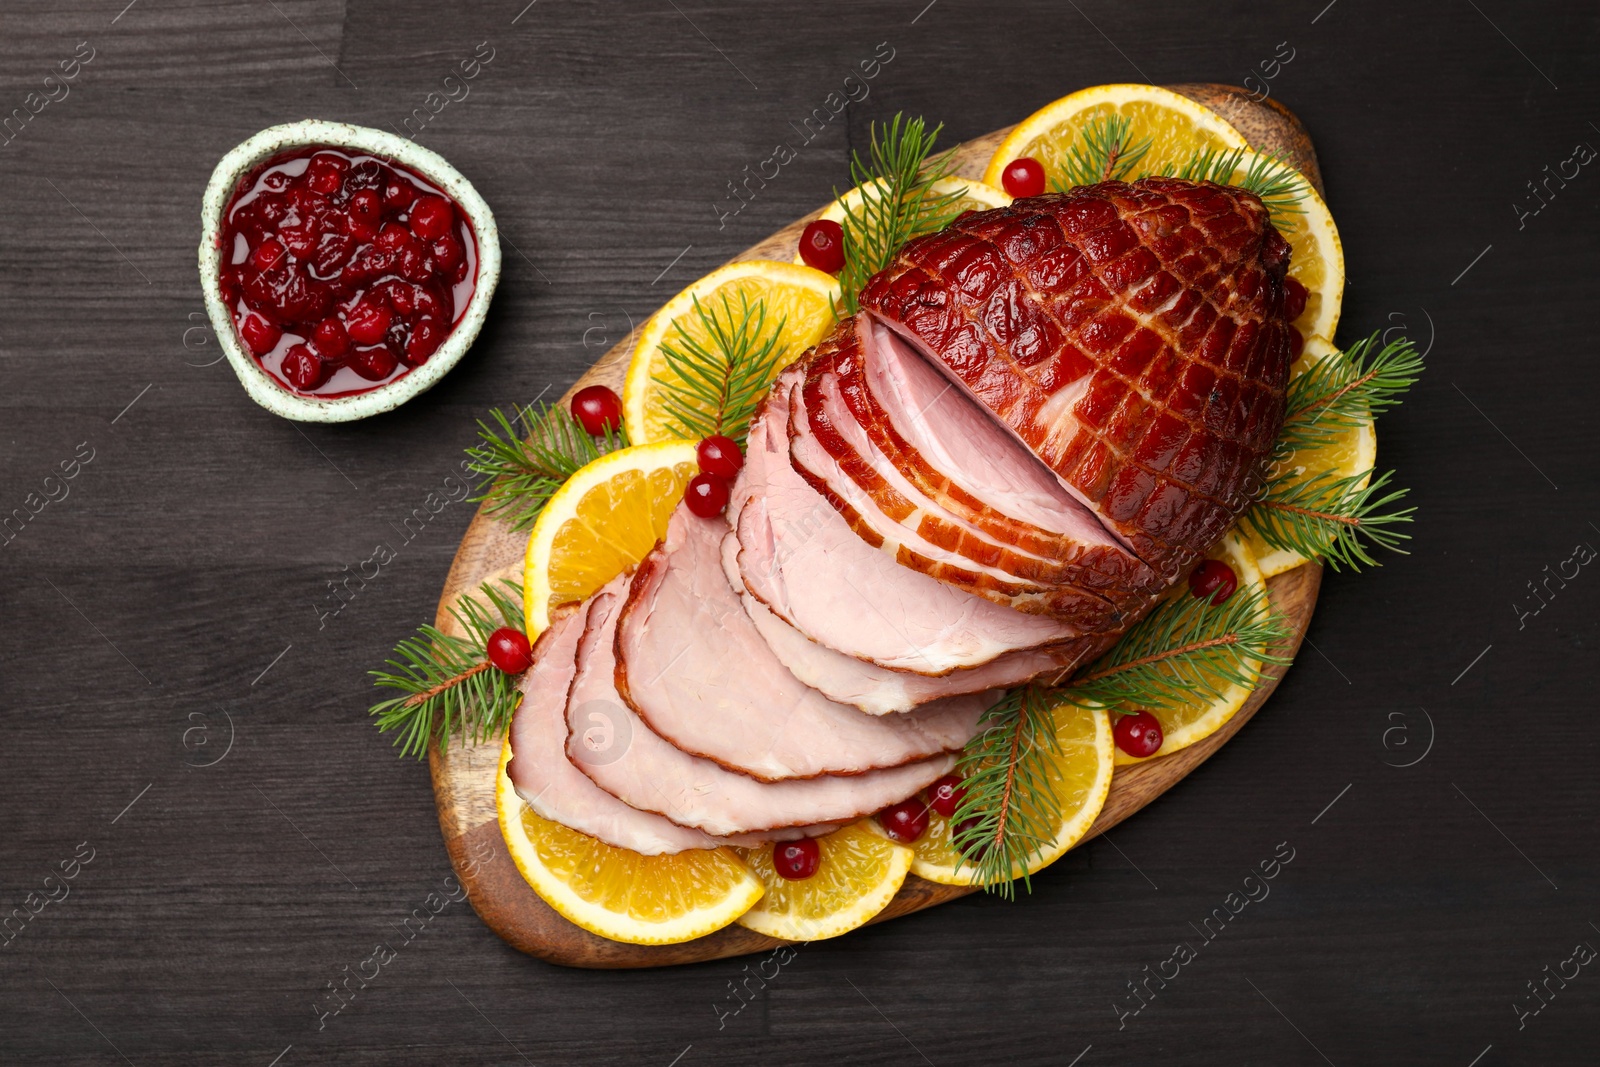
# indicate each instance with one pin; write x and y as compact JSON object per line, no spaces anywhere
{"x":262,"y":387}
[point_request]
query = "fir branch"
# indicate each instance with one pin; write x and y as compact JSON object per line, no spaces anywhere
{"x":1186,"y":651}
{"x":1342,"y":390}
{"x":897,"y":203}
{"x":1103,"y":152}
{"x":528,"y":456}
{"x":1331,"y":518}
{"x":1011,"y":812}
{"x":450,"y":689}
{"x":715,"y":384}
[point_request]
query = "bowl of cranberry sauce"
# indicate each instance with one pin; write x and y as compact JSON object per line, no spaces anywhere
{"x":346,"y":269}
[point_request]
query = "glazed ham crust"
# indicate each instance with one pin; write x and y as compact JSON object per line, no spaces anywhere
{"x":1132,"y":335}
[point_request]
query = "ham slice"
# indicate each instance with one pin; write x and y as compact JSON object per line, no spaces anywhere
{"x":803,"y":562}
{"x":877,"y":690}
{"x":696,"y":670}
{"x":551,"y":785}
{"x":641,"y":769}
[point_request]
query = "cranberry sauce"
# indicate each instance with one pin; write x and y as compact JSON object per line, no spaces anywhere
{"x":346,"y":271}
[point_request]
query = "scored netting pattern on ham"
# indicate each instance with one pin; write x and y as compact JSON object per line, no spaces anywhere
{"x":1132,"y":335}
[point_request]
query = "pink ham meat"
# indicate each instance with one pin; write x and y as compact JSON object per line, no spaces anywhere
{"x":696,"y":670}
{"x":801,"y":560}
{"x":641,"y":769}
{"x":1133,"y":336}
{"x":877,"y":690}
{"x":551,"y":785}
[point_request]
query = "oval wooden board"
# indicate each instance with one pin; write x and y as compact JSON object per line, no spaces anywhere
{"x":464,"y":776}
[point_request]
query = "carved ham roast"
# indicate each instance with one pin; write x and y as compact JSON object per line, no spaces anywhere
{"x":1042,"y":417}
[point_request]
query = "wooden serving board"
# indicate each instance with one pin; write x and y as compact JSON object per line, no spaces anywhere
{"x":464,"y":776}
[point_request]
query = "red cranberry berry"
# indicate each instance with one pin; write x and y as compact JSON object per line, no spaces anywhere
{"x":707,"y":495}
{"x":1139,"y":734}
{"x":304,"y":369}
{"x":367,"y":322}
{"x":261,"y":335}
{"x":598,"y":409}
{"x":431,"y":217}
{"x":905,"y":821}
{"x":720,"y":455}
{"x":822,"y":246}
{"x":425,"y":339}
{"x":1214,"y":579}
{"x":945,"y":795}
{"x":509,"y":650}
{"x":1023,"y":177}
{"x":331,"y":339}
{"x":1294,"y":299}
{"x":797,"y":860}
{"x":325,"y":174}
{"x":374,"y":364}
{"x":268,"y":254}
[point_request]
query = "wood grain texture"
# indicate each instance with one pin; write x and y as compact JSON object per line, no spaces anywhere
{"x":464,"y":774}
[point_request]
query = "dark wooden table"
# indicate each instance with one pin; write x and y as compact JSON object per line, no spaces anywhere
{"x":213,"y":831}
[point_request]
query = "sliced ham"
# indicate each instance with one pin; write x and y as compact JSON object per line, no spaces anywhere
{"x":877,"y":690}
{"x":693,"y":666}
{"x":800,"y":559}
{"x":643,"y":770}
{"x":551,"y":785}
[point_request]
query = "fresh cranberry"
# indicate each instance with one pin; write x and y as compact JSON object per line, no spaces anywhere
{"x":331,"y":339}
{"x":1023,"y":177}
{"x":822,"y":246}
{"x":707,"y":495}
{"x":719,"y":455}
{"x":1138,"y":734}
{"x":374,"y":364}
{"x":425,"y":339}
{"x":268,"y":254}
{"x":1294,"y":299}
{"x":1214,"y":579}
{"x":397,"y":194}
{"x":367,"y":206}
{"x":598,"y":409}
{"x":261,"y":335}
{"x":797,"y":860}
{"x":325,"y":174}
{"x":509,"y":650}
{"x":945,"y":795}
{"x":304,"y":369}
{"x":431,"y":217}
{"x":368,"y":322}
{"x":905,"y":821}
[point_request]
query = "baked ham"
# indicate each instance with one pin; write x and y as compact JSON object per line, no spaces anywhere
{"x":1132,"y":335}
{"x":1042,"y":417}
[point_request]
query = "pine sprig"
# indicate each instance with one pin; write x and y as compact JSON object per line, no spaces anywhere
{"x":1342,"y":390}
{"x":1186,"y":651}
{"x":1010,"y":812}
{"x":526,"y":457}
{"x":1331,"y":518}
{"x":1103,"y":152}
{"x":716,"y":383}
{"x":450,"y":688}
{"x":896,"y":179}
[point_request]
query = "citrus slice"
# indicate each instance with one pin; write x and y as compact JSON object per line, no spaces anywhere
{"x":618,"y":894}
{"x":1183,"y":725}
{"x":860,"y":873}
{"x":1176,"y":127}
{"x":970,"y":196}
{"x":1351,"y":452}
{"x":605,"y":519}
{"x":1080,"y":776}
{"x":801,"y":298}
{"x":1317,"y":263}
